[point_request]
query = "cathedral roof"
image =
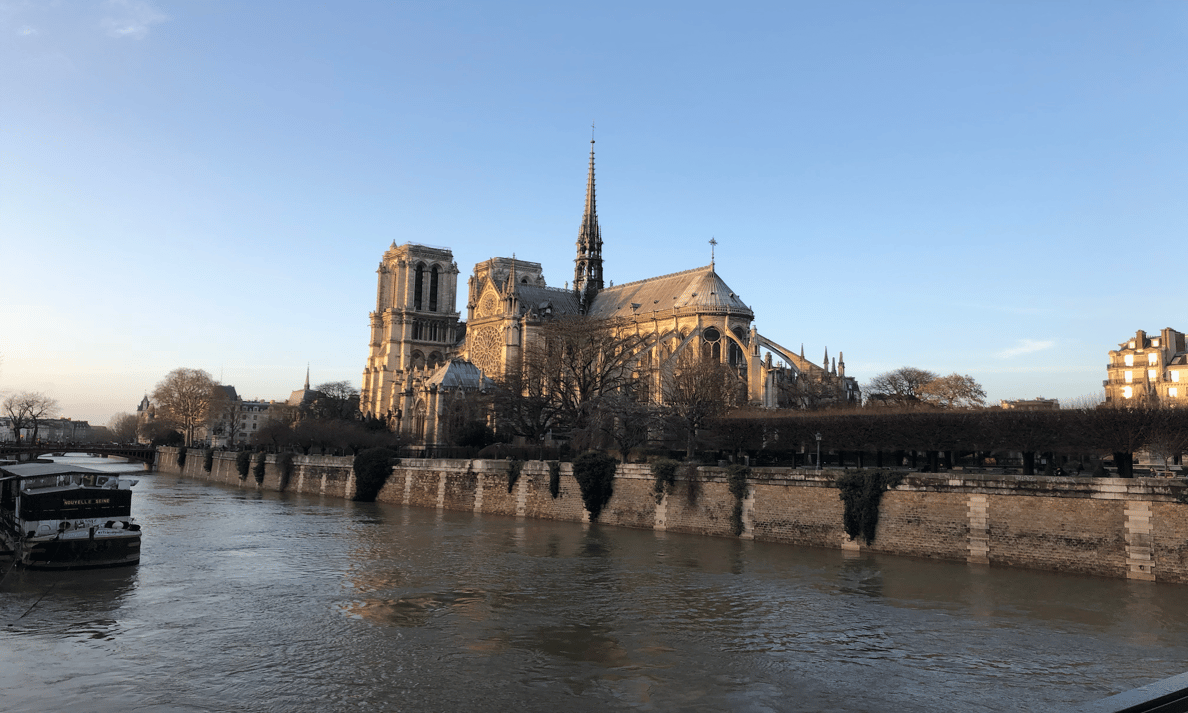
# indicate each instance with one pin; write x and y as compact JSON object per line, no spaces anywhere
{"x":696,"y":290}
{"x":458,"y":374}
{"x":538,"y":298}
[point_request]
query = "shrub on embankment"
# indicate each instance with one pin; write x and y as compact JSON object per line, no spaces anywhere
{"x":862,"y":492}
{"x":284,"y":464}
{"x":595,"y":474}
{"x":372,"y":468}
{"x":736,"y":481}
{"x":243,"y":462}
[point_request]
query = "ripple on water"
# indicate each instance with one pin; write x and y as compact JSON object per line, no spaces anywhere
{"x":260,"y":601}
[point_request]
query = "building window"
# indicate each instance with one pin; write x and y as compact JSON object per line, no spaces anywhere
{"x":1154,"y":342}
{"x":419,"y":286}
{"x":1129,"y":359}
{"x":1127,"y":392}
{"x":1151,"y":374}
{"x":1173,"y":391}
{"x":433,"y":279}
{"x":1129,"y":377}
{"x":1132,"y":344}
{"x":1153,"y":358}
{"x":1175,"y":376}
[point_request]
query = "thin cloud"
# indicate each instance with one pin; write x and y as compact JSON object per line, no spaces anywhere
{"x":135,"y":17}
{"x":1026,"y":346}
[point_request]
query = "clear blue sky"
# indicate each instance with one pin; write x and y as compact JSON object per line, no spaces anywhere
{"x":991,"y":188}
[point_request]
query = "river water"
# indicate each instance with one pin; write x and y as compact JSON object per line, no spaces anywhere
{"x":248,"y":601}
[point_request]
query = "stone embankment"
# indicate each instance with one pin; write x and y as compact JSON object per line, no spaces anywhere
{"x":1133,"y":528}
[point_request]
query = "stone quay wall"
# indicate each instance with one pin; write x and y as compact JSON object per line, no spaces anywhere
{"x":1133,"y":528}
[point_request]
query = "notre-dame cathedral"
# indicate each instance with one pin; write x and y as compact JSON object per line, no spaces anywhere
{"x":421,"y":355}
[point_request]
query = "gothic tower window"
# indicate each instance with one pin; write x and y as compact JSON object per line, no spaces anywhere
{"x":419,"y":286}
{"x":433,"y":289}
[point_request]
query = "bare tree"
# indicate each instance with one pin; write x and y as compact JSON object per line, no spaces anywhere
{"x":697,"y":390}
{"x":901,"y":387}
{"x":953,"y":391}
{"x":183,"y":399}
{"x":336,"y":400}
{"x":226,"y":413}
{"x":573,"y":362}
{"x":621,"y":420}
{"x":123,"y":427}
{"x":526,"y":406}
{"x":579,"y":359}
{"x":27,"y":409}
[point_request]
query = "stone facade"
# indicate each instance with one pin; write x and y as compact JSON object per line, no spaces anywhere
{"x":1147,"y":368}
{"x":1126,"y":528}
{"x":415,"y":330}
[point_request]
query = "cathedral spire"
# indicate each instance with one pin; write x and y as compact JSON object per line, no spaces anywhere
{"x":307,"y":377}
{"x":587,"y":271}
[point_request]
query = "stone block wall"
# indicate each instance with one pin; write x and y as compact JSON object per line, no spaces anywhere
{"x":1133,"y":528}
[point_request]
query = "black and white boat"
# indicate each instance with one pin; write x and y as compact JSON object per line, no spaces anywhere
{"x":56,"y":516}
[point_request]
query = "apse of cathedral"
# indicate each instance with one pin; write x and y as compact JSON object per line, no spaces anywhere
{"x":422,"y":355}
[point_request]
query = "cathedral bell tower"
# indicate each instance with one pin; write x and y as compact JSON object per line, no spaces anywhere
{"x":587,"y":271}
{"x":414,"y":325}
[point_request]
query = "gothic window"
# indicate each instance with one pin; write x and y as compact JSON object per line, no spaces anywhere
{"x":433,"y":331}
{"x":435,"y":359}
{"x":418,"y":329}
{"x":418,"y":360}
{"x":419,"y":414}
{"x":712,"y":347}
{"x":419,"y":286}
{"x":433,"y":280}
{"x":735,"y":355}
{"x":485,"y":353}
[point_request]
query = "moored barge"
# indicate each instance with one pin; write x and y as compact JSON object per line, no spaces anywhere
{"x":55,"y":516}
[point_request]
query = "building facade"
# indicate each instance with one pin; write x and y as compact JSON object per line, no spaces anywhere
{"x":1148,"y":369}
{"x":420,"y":349}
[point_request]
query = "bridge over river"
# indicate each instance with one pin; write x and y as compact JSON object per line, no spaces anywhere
{"x":134,"y":452}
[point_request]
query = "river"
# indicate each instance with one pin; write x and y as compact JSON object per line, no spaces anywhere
{"x":249,"y":601}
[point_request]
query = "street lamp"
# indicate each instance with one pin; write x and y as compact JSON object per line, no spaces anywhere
{"x":818,"y":451}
